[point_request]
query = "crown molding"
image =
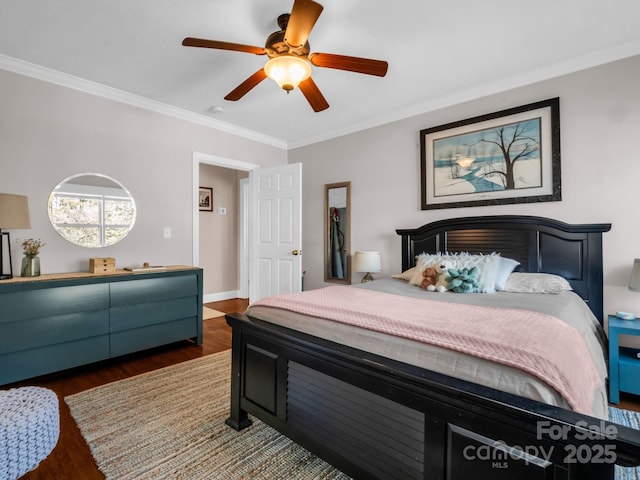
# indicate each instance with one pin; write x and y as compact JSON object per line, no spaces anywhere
{"x":53,"y":76}
{"x":583,"y":62}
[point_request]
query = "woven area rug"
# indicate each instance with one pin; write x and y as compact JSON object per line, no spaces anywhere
{"x":169,"y":424}
{"x":628,"y":419}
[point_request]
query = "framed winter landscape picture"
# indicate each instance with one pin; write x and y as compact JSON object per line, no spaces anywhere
{"x":511,"y":156}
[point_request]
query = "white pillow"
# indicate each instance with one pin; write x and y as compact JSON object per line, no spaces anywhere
{"x":406,"y":275}
{"x":506,"y":266}
{"x":520,"y":282}
{"x":487,"y":267}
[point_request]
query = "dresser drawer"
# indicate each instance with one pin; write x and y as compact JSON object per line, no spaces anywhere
{"x":48,"y":302}
{"x":51,"y":358}
{"x":629,"y":369}
{"x":39,"y":332}
{"x":152,"y":290}
{"x":151,"y":336}
{"x":144,"y":314}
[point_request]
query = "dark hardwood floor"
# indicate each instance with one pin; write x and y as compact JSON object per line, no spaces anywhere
{"x":71,"y":459}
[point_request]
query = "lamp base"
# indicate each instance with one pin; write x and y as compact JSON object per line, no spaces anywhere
{"x":367,"y":278}
{"x":5,"y":249}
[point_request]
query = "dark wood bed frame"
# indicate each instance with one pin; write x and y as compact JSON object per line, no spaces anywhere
{"x":373,"y":417}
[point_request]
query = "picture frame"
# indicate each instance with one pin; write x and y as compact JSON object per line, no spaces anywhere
{"x":205,"y":199}
{"x":509,"y":156}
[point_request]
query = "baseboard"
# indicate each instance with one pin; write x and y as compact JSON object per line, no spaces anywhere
{"x":216,"y":297}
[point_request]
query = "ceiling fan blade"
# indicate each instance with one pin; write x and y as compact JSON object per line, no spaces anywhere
{"x":352,"y":64}
{"x":304,"y":15}
{"x":313,"y":95}
{"x":242,"y":89}
{"x":237,"y":47}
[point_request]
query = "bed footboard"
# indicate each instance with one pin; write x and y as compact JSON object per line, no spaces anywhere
{"x":375,"y":418}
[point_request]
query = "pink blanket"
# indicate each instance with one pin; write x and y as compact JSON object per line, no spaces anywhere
{"x":538,"y":344}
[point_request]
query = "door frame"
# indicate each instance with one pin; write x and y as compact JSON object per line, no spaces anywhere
{"x":207,"y":159}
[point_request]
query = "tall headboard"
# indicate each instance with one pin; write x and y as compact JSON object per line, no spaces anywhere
{"x":539,"y":244}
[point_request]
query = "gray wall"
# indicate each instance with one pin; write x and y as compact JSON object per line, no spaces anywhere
{"x":600,"y":123}
{"x":48,"y":132}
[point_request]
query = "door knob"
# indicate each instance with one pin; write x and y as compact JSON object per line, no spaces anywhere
{"x":296,"y":252}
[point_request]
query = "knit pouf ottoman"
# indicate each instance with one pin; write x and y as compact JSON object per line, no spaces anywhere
{"x":29,"y":429}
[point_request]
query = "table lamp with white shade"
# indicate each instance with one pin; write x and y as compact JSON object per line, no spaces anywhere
{"x":368,"y":262}
{"x":634,"y":279}
{"x":634,"y":284}
{"x":14,"y":213}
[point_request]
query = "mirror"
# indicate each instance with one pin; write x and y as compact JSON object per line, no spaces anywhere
{"x":337,"y":267}
{"x":91,"y":210}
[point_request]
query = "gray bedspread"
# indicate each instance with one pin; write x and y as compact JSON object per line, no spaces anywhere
{"x":567,"y":306}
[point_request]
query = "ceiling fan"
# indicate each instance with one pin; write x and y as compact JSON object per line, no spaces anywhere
{"x":290,"y":62}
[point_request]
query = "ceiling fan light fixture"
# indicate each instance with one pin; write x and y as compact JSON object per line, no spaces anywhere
{"x":288,"y":71}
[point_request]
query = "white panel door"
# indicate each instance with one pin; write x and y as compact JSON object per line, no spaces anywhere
{"x":276,"y":231}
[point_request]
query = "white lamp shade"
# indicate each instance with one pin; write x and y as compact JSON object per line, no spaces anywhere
{"x":288,"y":71}
{"x":367,"y":262}
{"x":14,"y":211}
{"x":634,"y":280}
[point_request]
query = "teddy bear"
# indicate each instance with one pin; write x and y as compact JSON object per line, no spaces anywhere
{"x":441,"y":284}
{"x":463,"y":281}
{"x":429,"y":277}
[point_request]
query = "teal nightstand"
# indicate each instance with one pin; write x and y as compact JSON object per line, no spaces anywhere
{"x":624,"y":365}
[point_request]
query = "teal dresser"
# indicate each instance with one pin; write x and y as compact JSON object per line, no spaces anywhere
{"x":55,"y":322}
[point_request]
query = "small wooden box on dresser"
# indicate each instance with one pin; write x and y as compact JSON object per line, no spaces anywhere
{"x":624,"y":364}
{"x":59,"y":321}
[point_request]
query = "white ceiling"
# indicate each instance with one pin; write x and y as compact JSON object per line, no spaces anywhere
{"x":439,"y":53}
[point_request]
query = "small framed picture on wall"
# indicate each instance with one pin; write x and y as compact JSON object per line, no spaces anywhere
{"x":205,"y":199}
